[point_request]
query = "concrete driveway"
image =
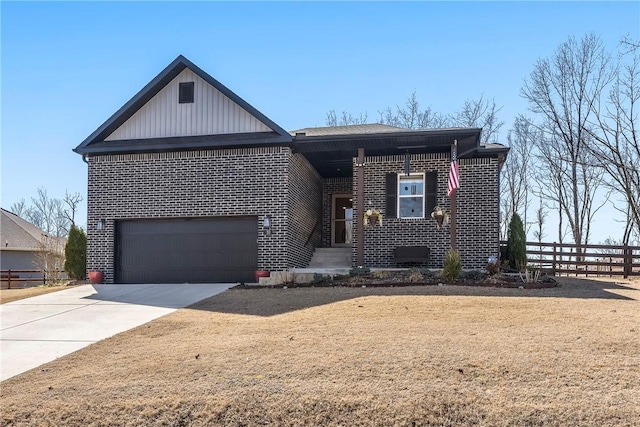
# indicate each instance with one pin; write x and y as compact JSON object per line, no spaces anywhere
{"x":37,"y":330}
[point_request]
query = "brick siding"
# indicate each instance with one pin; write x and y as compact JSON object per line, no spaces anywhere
{"x":477,"y":211}
{"x":304,"y":211}
{"x":227,"y":182}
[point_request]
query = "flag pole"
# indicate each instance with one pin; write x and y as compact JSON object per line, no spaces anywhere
{"x":453,"y":198}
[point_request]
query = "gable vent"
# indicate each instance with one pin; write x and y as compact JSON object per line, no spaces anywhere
{"x":185,"y":93}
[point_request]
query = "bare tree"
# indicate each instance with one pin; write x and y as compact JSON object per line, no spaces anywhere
{"x":50,"y":257}
{"x":345,"y":120}
{"x":19,"y":208}
{"x":516,"y":171}
{"x":72,"y":201}
{"x":562,"y":91}
{"x":482,"y":113}
{"x":410,"y":116}
{"x":474,"y":113}
{"x":615,"y":128}
{"x":54,"y":216}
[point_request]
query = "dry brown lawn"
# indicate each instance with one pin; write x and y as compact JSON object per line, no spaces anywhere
{"x":442,"y":356}
{"x":8,"y":295}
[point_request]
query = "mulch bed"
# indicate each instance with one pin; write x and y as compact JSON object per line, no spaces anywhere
{"x":400,"y":280}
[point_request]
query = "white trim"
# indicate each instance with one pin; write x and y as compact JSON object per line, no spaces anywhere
{"x":398,"y":197}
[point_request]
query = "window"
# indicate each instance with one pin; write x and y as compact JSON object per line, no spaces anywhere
{"x":411,"y":196}
{"x":400,"y":200}
{"x":185,"y":93}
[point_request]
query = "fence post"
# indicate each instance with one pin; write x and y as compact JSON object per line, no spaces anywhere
{"x":553,"y":264}
{"x":9,"y":280}
{"x":627,"y":260}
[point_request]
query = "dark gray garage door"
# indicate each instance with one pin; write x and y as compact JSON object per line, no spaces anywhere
{"x":187,"y":250}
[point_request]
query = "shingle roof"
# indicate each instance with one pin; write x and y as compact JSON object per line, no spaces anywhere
{"x":18,"y":233}
{"x":350,"y":130}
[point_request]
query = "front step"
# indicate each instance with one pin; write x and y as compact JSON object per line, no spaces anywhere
{"x":331,"y":258}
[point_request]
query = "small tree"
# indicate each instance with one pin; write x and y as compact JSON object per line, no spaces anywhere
{"x":452,"y":266}
{"x":75,"y":252}
{"x":516,"y":244}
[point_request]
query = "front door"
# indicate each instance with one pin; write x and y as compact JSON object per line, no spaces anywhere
{"x":341,"y":220}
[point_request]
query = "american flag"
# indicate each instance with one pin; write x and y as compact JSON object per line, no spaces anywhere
{"x":454,"y":176}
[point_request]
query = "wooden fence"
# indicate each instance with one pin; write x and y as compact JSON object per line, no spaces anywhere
{"x":13,"y":278}
{"x":570,"y":259}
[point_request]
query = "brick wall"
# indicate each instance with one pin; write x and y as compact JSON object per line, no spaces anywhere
{"x":248,"y":181}
{"x":330,"y":187}
{"x":305,"y":211}
{"x":477,"y":211}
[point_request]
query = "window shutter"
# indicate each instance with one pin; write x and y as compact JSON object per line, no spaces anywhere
{"x":430,"y":192}
{"x":392,"y":195}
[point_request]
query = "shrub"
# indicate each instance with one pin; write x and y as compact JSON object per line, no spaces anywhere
{"x":359,"y":271}
{"x":320,"y":279}
{"x":75,"y":252}
{"x":427,"y":274}
{"x":452,"y":265}
{"x":516,"y":244}
{"x":415,"y":276}
{"x":493,"y":268}
{"x":473,"y":275}
{"x":381,"y":274}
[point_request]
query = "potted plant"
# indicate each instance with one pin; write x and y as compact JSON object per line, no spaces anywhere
{"x":372,"y":217}
{"x":261,"y":273}
{"x":440,"y":215}
{"x":95,"y":277}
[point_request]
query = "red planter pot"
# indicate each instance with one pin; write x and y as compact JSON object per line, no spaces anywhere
{"x":261,"y":273}
{"x":95,"y":277}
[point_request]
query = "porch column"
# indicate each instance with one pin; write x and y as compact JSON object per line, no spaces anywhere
{"x":359,"y":213}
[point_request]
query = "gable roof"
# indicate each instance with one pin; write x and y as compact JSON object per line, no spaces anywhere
{"x":18,"y":233}
{"x":97,"y":142}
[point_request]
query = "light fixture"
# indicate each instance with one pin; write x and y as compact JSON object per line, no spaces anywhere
{"x":100,"y":225}
{"x":266,"y":225}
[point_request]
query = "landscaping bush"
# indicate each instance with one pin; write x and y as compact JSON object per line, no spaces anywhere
{"x":473,"y":275}
{"x":75,"y":252}
{"x":516,"y":244}
{"x":493,"y":268}
{"x":427,"y":274}
{"x":452,"y":265}
{"x":381,"y":274}
{"x":359,"y":271}
{"x":320,"y":279}
{"x":415,"y":276}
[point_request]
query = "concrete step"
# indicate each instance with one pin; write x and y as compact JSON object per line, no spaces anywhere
{"x":333,"y":250}
{"x":331,"y":257}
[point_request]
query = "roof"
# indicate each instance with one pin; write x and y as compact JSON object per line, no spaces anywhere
{"x":331,"y":153}
{"x":96,"y":144}
{"x":349,"y":130}
{"x":18,"y":233}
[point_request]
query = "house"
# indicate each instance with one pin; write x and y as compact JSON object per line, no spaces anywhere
{"x":187,"y":182}
{"x":24,"y":247}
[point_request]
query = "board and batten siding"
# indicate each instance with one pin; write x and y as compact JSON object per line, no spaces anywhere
{"x":211,"y":113}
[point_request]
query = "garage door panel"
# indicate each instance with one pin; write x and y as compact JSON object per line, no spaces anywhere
{"x":191,"y":250}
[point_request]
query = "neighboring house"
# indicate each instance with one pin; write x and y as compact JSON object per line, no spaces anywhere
{"x":187,"y":182}
{"x":24,"y":245}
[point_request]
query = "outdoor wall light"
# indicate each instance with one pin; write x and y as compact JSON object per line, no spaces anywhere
{"x":100,"y":225}
{"x":266,"y":225}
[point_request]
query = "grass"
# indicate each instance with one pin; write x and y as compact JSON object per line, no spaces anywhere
{"x":9,"y":295}
{"x":442,"y":356}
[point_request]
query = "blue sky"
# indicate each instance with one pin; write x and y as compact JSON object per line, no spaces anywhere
{"x":66,"y":67}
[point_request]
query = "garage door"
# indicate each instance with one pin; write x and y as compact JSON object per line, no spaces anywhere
{"x":187,"y":250}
